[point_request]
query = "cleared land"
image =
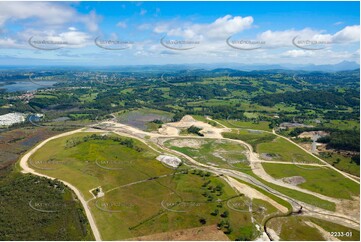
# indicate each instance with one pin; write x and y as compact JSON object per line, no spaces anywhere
{"x":142,"y":196}
{"x":142,"y":118}
{"x":219,"y":153}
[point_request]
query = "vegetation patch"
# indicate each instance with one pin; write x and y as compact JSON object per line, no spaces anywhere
{"x":322,"y":180}
{"x":36,"y":208}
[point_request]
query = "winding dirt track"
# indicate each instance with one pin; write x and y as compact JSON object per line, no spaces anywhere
{"x":309,"y":210}
{"x":26,"y":169}
{"x":125,"y":130}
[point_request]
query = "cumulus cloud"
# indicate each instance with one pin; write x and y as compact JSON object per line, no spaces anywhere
{"x":47,"y":13}
{"x":297,"y":53}
{"x":349,"y":34}
{"x":9,"y":43}
{"x":221,"y":28}
{"x":121,"y":25}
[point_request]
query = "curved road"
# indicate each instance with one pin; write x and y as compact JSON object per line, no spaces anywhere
{"x":26,"y":169}
{"x":135,"y":133}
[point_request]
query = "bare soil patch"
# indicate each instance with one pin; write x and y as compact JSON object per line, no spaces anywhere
{"x":294,"y":180}
{"x":189,"y":143}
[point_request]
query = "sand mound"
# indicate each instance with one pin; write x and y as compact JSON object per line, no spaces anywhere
{"x":169,"y":160}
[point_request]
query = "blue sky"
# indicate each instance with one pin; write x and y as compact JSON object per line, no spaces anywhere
{"x":130,"y":33}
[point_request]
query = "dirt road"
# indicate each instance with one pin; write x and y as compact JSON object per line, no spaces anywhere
{"x":26,"y":169}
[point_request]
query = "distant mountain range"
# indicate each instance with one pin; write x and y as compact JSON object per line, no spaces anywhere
{"x":342,"y":66}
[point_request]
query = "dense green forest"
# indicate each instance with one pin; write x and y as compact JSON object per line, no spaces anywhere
{"x":35,"y":208}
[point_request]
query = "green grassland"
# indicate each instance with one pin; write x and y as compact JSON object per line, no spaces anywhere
{"x":225,"y":154}
{"x":204,"y":154}
{"x":83,"y":162}
{"x":285,"y":151}
{"x":341,"y":162}
{"x":271,"y":145}
{"x":260,"y":125}
{"x":333,"y":227}
{"x":342,"y":124}
{"x":170,"y":204}
{"x":294,"y":228}
{"x":88,"y":161}
{"x":252,"y":137}
{"x":307,"y":198}
{"x":322,"y":180}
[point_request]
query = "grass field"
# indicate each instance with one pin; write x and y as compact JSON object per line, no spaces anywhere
{"x":206,"y":156}
{"x":220,"y":153}
{"x":261,"y":125}
{"x":296,"y":228}
{"x":307,"y":198}
{"x":84,"y":160}
{"x":321,"y":179}
{"x":342,"y":124}
{"x":283,"y":150}
{"x":332,"y":227}
{"x":254,"y":138}
{"x":341,"y":162}
{"x":275,"y":148}
{"x":137,"y":201}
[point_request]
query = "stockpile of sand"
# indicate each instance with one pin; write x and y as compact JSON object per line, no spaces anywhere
{"x":170,"y":160}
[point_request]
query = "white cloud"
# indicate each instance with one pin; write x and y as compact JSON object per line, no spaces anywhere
{"x":347,"y":35}
{"x":297,"y":53}
{"x":121,"y":25}
{"x":8,"y":43}
{"x":221,"y":28}
{"x":47,"y":13}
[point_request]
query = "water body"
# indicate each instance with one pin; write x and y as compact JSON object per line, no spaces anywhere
{"x":27,"y":86}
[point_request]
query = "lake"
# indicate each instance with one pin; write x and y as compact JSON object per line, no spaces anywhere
{"x":27,"y":86}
